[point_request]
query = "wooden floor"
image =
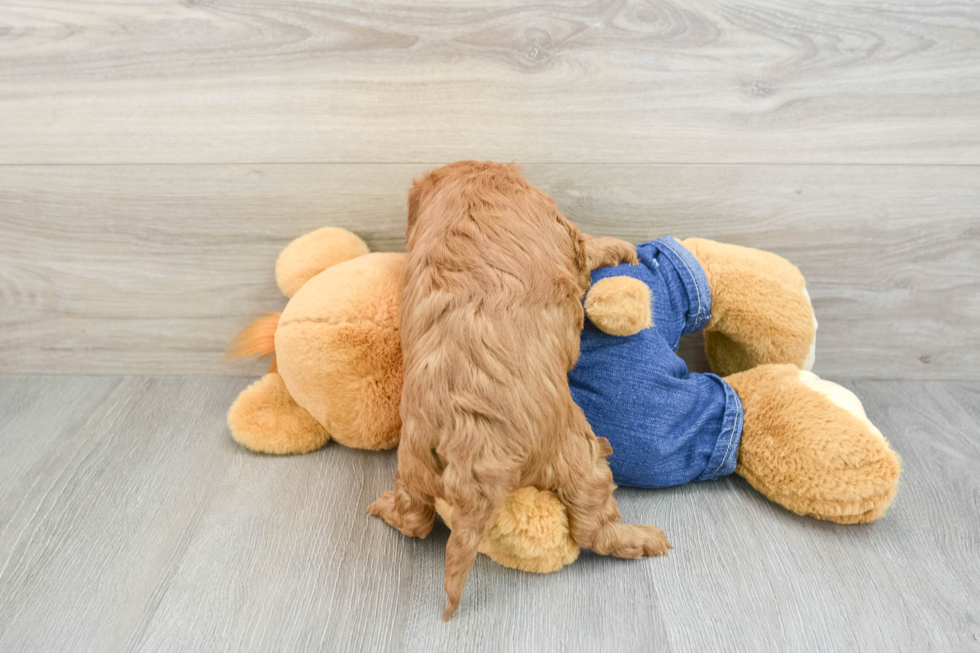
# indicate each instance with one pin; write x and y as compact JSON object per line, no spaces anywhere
{"x":129,"y":521}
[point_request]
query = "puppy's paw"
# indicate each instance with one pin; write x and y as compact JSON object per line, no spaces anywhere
{"x":631,"y":541}
{"x":383,"y":506}
{"x":413,"y":521}
{"x":654,"y":541}
{"x":603,"y":252}
{"x":621,"y":251}
{"x":629,"y":255}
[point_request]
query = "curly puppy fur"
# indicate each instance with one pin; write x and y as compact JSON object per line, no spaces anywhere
{"x":491,"y":312}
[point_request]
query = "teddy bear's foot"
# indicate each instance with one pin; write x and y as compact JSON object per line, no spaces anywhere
{"x":530,"y":532}
{"x":808,"y":445}
{"x":265,"y":418}
{"x":760,"y":309}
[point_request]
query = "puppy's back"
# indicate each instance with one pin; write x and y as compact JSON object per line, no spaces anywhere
{"x":490,"y":316}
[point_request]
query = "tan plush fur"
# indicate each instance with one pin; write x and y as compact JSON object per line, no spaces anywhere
{"x":490,"y":324}
{"x":807,"y":453}
{"x":620,"y":306}
{"x":529,"y":532}
{"x":308,"y":255}
{"x":339,"y":341}
{"x":265,"y":418}
{"x":759,"y":311}
{"x":339,"y":353}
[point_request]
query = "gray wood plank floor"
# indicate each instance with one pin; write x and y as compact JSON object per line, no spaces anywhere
{"x":129,"y":521}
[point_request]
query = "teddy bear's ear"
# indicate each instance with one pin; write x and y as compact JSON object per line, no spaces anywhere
{"x":309,"y":255}
{"x":620,"y":306}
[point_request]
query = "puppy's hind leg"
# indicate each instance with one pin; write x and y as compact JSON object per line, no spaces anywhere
{"x":404,"y":508}
{"x":594,"y":519}
{"x":410,"y":505}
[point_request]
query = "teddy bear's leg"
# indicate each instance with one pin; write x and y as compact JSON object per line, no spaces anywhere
{"x":808,"y":445}
{"x":529,"y":532}
{"x":311,"y":254}
{"x":760,"y":309}
{"x":265,"y":418}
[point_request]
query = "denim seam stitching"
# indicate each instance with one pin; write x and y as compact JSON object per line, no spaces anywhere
{"x":694,"y":279}
{"x":731,"y":438}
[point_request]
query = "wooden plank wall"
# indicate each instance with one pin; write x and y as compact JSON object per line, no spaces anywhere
{"x":155,"y":156}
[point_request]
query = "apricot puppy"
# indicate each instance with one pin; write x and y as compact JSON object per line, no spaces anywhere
{"x":490,"y":318}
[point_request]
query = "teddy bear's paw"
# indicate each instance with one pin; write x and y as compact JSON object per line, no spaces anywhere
{"x":264,"y":418}
{"x":808,"y":445}
{"x":619,"y":306}
{"x":529,"y":532}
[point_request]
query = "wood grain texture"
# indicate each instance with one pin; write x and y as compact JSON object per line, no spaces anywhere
{"x":761,"y":81}
{"x":129,"y":521}
{"x":152,"y":269}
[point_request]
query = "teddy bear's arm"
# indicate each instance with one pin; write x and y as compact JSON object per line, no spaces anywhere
{"x":620,"y":306}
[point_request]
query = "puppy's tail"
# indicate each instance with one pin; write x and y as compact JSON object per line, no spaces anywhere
{"x":469,"y":525}
{"x":257,"y":339}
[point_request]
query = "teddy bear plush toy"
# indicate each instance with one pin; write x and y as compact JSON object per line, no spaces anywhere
{"x":803,"y":442}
